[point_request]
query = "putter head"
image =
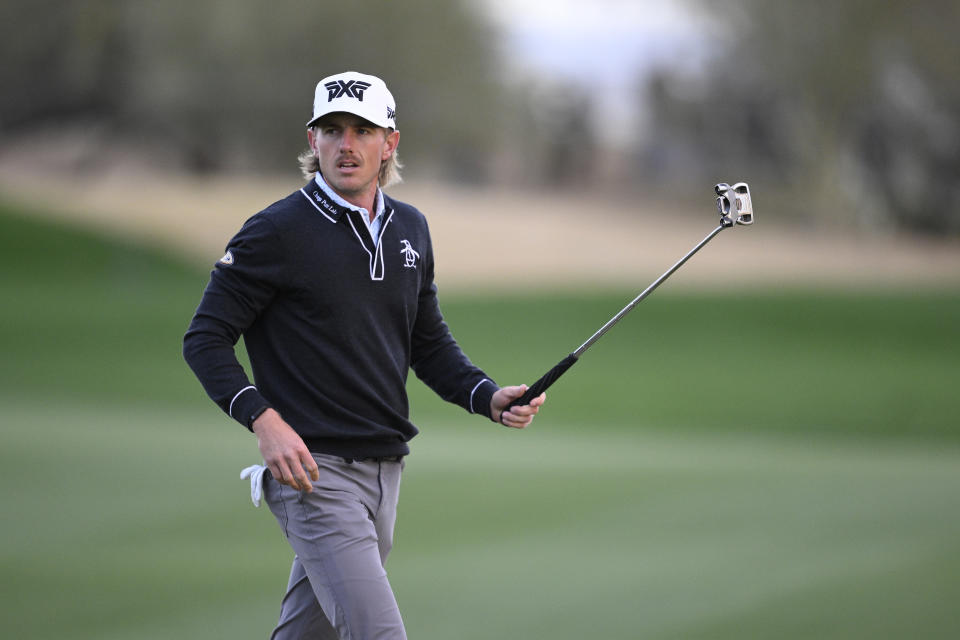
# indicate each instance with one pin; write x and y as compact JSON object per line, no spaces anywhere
{"x":734,"y":200}
{"x":744,"y":203}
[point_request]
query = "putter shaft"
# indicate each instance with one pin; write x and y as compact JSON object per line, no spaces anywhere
{"x":656,"y":283}
{"x":735,"y":208}
{"x":561,"y":367}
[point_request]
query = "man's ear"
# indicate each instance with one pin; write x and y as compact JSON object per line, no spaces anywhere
{"x":392,"y":141}
{"x":311,"y":140}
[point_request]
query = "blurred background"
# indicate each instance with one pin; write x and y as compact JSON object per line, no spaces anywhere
{"x":766,"y":447}
{"x":848,"y":110}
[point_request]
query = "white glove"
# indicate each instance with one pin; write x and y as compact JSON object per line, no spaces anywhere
{"x":255,"y":473}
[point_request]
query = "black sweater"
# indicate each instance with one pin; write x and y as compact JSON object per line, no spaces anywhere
{"x":332,"y":323}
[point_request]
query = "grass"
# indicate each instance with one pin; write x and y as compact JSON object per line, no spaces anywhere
{"x":99,"y":320}
{"x":135,"y":524}
{"x":754,"y":464}
{"x":657,"y":536}
{"x":92,"y":318}
{"x":876,"y":363}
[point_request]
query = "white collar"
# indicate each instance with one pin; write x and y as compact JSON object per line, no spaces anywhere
{"x":333,"y":195}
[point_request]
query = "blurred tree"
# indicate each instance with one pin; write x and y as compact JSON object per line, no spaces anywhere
{"x":228,"y":85}
{"x":853,"y":103}
{"x":60,"y":60}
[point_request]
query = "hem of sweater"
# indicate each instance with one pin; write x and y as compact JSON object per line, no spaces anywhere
{"x":356,"y":447}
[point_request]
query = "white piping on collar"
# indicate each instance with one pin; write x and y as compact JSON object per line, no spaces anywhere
{"x":376,"y":259}
{"x":316,"y":206}
{"x":333,"y":195}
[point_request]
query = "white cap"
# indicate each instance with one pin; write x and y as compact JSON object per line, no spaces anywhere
{"x":356,"y":93}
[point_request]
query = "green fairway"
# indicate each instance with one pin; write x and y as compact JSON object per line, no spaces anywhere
{"x":130,"y":523}
{"x":864,"y":364}
{"x":726,"y":465}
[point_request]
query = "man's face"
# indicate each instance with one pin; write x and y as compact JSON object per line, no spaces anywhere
{"x":351,"y":150}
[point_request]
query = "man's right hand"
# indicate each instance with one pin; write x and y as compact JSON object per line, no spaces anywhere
{"x":284,"y":452}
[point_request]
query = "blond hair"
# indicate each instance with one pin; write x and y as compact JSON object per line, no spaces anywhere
{"x":389,"y":169}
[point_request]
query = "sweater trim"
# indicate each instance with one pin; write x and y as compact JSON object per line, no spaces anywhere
{"x":329,"y":210}
{"x":230,"y":410}
{"x":377,"y":268}
{"x":474,"y":391}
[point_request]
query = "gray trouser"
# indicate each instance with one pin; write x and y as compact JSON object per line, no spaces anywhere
{"x":341,"y":533}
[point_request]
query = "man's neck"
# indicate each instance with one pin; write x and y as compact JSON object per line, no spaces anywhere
{"x":366,"y":201}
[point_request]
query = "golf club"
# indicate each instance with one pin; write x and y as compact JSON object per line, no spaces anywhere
{"x":735,"y":208}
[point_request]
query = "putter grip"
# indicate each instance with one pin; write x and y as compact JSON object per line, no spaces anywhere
{"x":544,"y":382}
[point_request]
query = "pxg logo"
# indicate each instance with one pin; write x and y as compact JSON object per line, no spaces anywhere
{"x":350,"y":89}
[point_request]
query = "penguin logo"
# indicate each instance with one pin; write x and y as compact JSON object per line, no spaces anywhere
{"x":410,"y":256}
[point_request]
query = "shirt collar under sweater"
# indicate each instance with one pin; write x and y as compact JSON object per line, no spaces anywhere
{"x":373,"y":226}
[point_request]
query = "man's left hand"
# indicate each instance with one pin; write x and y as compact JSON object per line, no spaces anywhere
{"x":518,"y":417}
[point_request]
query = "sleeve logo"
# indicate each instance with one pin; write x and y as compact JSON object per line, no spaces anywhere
{"x":227,"y":259}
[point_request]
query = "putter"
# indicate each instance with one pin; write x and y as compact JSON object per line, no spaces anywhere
{"x":735,"y":208}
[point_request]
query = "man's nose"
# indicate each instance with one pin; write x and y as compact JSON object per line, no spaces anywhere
{"x":347,"y":140}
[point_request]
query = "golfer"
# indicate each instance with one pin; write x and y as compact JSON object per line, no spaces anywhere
{"x":332,"y":290}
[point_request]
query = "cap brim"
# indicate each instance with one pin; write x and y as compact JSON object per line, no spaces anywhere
{"x":364,"y":118}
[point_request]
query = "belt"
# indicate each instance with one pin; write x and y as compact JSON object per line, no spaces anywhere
{"x":255,"y":473}
{"x":374,"y":459}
